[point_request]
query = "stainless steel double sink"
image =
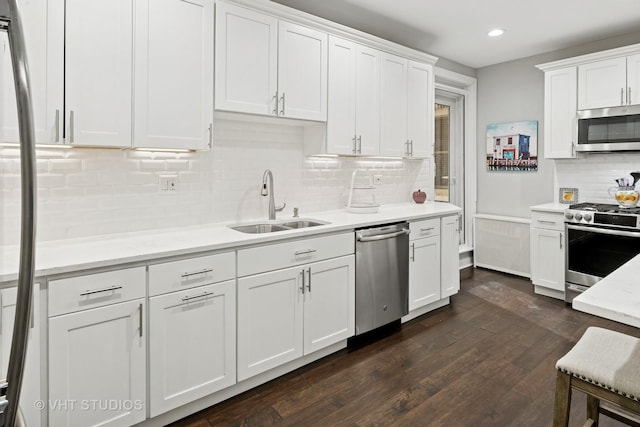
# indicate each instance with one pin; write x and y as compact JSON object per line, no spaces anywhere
{"x":272,"y":227}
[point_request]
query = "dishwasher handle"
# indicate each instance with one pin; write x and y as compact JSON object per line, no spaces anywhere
{"x":382,"y":236}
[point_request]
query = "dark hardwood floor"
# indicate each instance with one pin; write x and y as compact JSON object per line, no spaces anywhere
{"x":487,"y":359}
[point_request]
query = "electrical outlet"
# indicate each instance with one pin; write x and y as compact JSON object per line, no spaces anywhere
{"x":377,"y":179}
{"x":168,"y":183}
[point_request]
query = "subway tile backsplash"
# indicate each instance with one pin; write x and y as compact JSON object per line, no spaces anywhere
{"x":87,"y":192}
{"x":593,"y":174}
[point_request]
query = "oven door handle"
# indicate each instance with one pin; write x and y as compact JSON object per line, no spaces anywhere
{"x":604,"y":231}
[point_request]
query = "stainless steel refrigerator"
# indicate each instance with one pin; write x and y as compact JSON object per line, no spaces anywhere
{"x":10,"y":388}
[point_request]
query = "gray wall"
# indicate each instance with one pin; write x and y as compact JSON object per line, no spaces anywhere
{"x":514,"y":91}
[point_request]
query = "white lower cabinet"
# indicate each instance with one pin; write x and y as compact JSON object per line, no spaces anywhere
{"x":450,"y":256}
{"x":191,"y":344}
{"x":424,"y":272}
{"x":285,"y":314}
{"x":547,"y":253}
{"x":30,"y":393}
{"x":434,"y":272}
{"x":97,"y":349}
{"x":97,"y":366}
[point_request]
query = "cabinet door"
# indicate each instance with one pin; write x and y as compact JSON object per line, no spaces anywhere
{"x":30,"y":392}
{"x":547,"y":258}
{"x":97,"y":366}
{"x":341,"y":115}
{"x":329,"y":303}
{"x":269,"y":320}
{"x":34,"y":21}
{"x":302,"y":72}
{"x":633,"y":79}
{"x":367,"y":100}
{"x":602,"y":84}
{"x":450,"y":276}
{"x":98,"y":52}
{"x":560,"y":104}
{"x":420,"y":117}
{"x":186,"y":360}
{"x":393,"y":106}
{"x":424,"y":272}
{"x":174,"y":74}
{"x":246,"y":60}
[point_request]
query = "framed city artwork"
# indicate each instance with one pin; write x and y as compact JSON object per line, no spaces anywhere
{"x":513,"y":146}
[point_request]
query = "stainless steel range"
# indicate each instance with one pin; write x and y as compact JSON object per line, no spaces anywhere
{"x":599,"y":239}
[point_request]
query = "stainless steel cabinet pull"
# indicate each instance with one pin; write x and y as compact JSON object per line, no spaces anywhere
{"x":621,"y":96}
{"x":303,"y":281}
{"x":560,"y":240}
{"x":542,"y":221}
{"x":141,"y":320}
{"x":427,"y":229}
{"x":411,"y":148}
{"x":307,"y":252}
{"x":406,"y":148}
{"x":282,"y":99}
{"x":355,"y":147}
{"x":57,"y":126}
{"x":111,"y":289}
{"x":413,"y":252}
{"x":275,"y":98}
{"x":195,"y":273}
{"x":202,"y":295}
{"x":359,"y":144}
{"x":210,"y":135}
{"x":629,"y":95}
{"x":71,"y":126}
{"x":309,"y":281}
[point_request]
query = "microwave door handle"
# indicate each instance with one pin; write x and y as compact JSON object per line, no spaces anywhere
{"x":605,"y":231}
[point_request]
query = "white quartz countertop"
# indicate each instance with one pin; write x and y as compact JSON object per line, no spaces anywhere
{"x":550,"y":207}
{"x":616,"y":297}
{"x":67,"y":256}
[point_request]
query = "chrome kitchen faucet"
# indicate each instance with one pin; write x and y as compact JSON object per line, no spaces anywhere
{"x":269,"y":192}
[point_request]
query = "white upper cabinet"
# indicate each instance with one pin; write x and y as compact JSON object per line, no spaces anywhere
{"x":602,"y":84}
{"x":174,"y":74}
{"x":34,"y":18}
{"x":302,"y":72}
{"x":420,"y":109}
{"x":560,"y":113}
{"x":246,"y":60}
{"x":353,"y":124}
{"x":633,"y":79}
{"x":341,"y":117}
{"x":90,"y":54}
{"x":269,"y":67}
{"x":406,"y":107}
{"x":393,"y":106}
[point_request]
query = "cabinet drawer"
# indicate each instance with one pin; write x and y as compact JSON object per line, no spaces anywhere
{"x":96,"y":290}
{"x":289,"y":254}
{"x":424,"y":228}
{"x":547,"y":220}
{"x":188,"y":273}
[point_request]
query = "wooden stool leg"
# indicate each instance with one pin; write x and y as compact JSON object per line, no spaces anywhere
{"x":563,"y":400}
{"x":593,"y":409}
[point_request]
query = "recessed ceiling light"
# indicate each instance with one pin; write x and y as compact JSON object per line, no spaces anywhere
{"x":496,"y":32}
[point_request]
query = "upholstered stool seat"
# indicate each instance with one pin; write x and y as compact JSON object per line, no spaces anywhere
{"x":606,"y":366}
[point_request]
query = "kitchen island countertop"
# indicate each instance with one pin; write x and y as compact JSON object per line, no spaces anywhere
{"x":616,"y":297}
{"x":72,"y":255}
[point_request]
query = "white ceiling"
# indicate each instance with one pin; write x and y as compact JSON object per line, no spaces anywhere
{"x":457,"y":29}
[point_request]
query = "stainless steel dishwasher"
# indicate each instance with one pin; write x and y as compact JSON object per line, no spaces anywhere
{"x":382,"y":275}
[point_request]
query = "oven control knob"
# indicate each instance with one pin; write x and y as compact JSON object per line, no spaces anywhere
{"x":578,"y":216}
{"x":568,"y":215}
{"x":587,"y":217}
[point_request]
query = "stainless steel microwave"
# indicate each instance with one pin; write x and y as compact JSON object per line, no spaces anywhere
{"x":609,"y":129}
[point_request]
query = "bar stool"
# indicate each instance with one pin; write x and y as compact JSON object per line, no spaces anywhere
{"x":605,"y":365}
